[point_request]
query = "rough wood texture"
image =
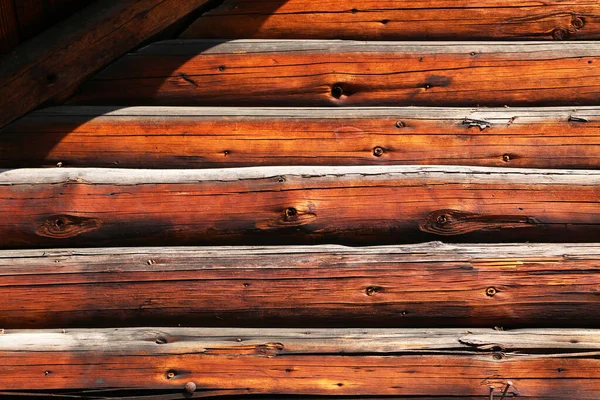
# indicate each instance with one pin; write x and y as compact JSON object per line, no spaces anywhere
{"x":9,"y":26}
{"x":399,"y":20}
{"x":178,"y":137}
{"x":473,"y":362}
{"x":338,"y":73}
{"x":417,"y":285}
{"x":67,"y":54}
{"x":355,"y":205}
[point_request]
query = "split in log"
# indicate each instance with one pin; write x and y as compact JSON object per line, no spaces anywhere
{"x":55,"y":63}
{"x":320,"y":286}
{"x":62,"y":207}
{"x":525,"y":363}
{"x":190,"y":137}
{"x":340,"y":73}
{"x":399,"y":20}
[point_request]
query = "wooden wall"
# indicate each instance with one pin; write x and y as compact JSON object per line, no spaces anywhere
{"x":24,"y":19}
{"x":334,"y":199}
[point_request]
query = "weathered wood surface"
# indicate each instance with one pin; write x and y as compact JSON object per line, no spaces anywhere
{"x":417,"y":285}
{"x":67,"y":54}
{"x":198,"y":137}
{"x":346,"y":73}
{"x":301,"y":205}
{"x":410,"y":362}
{"x":399,"y":20}
{"x":9,"y":26}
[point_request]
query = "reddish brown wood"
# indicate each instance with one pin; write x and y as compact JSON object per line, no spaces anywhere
{"x":332,"y":73}
{"x":9,"y":27}
{"x":546,"y":364}
{"x":55,"y":63}
{"x":430,"y":285}
{"x":178,"y":137}
{"x":400,"y":20}
{"x":66,"y":207}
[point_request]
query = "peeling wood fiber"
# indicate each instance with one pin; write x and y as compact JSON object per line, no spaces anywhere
{"x":474,"y":362}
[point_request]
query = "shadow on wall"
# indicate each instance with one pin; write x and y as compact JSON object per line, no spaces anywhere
{"x":23,"y":146}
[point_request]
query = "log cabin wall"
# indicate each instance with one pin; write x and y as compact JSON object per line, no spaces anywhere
{"x":24,"y":19}
{"x":298,"y":199}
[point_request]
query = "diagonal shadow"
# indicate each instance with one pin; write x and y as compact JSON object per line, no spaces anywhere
{"x":23,"y":144}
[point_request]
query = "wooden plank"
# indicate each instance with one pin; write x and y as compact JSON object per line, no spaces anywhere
{"x":345,"y":73}
{"x":182,"y":137}
{"x":282,"y":205}
{"x":307,"y":362}
{"x":71,"y":51}
{"x":399,"y":20}
{"x":430,"y":284}
{"x":9,"y":28}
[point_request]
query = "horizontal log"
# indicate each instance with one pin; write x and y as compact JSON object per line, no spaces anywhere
{"x":346,"y":73}
{"x":62,"y":207}
{"x":191,"y":137}
{"x":475,"y":362}
{"x":399,"y":286}
{"x":54,"y":64}
{"x":399,"y":20}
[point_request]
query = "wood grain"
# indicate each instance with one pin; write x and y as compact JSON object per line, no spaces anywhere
{"x":193,"y":137}
{"x":67,"y":54}
{"x":9,"y":26}
{"x":301,"y":205}
{"x":345,"y":73}
{"x":307,"y":362}
{"x":399,"y":20}
{"x":433,"y":284}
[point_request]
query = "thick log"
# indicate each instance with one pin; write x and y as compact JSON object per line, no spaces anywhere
{"x":346,"y":73}
{"x":401,"y":286}
{"x":62,"y":58}
{"x":182,"y":137}
{"x":301,"y":205}
{"x":399,"y":20}
{"x":475,"y":362}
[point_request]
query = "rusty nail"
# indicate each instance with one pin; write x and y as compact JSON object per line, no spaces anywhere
{"x":400,"y":125}
{"x":190,"y":387}
{"x":492,"y":393}
{"x":46,"y":373}
{"x":508,"y":385}
{"x":59,"y":164}
{"x":378,"y":151}
{"x":506,"y":157}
